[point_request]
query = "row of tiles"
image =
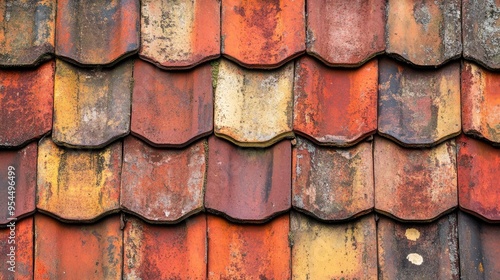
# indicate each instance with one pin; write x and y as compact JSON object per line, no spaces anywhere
{"x":292,"y":246}
{"x":256,"y":34}
{"x":90,"y":108}
{"x":250,"y":184}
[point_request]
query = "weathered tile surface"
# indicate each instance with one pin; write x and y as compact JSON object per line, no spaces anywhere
{"x":165,"y":252}
{"x":345,"y":32}
{"x":180,"y":34}
{"x":418,"y":107}
{"x":91,"y":106}
{"x":171,"y":108}
{"x":332,"y":184}
{"x":334,"y":106}
{"x":248,"y":251}
{"x":26,"y":99}
{"x":97,"y":32}
{"x":426,"y":32}
{"x":17,"y":263}
{"x":162,"y":185}
{"x":248,"y":184}
{"x":253,"y":108}
{"x":415,"y":184}
{"x":78,"y":185}
{"x":333,"y":251}
{"x":263,"y":34}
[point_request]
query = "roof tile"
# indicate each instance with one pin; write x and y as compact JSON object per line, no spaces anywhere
{"x":22,"y":258}
{"x":171,"y":108}
{"x":334,"y":106}
{"x":180,"y":34}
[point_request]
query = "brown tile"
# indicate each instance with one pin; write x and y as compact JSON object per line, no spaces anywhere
{"x":171,"y":108}
{"x":165,"y":252}
{"x":333,"y":251}
{"x":345,"y":32}
{"x":18,"y":181}
{"x":479,"y":244}
{"x":248,"y":251}
{"x":418,"y":107}
{"x":418,"y":251}
{"x":263,"y":34}
{"x":415,"y":184}
{"x":253,"y":108}
{"x":180,"y":34}
{"x":36,"y":21}
{"x":481,"y":102}
{"x":68,"y":251}
{"x":332,"y":184}
{"x":97,"y":32}
{"x":26,"y":99}
{"x":78,"y":184}
{"x":426,"y":32}
{"x":335,"y":106}
{"x":91,"y":106}
{"x":16,"y":249}
{"x":162,"y":185}
{"x":248,"y":184}
{"x":478,"y":169}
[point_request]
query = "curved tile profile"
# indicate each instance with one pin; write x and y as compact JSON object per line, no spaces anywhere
{"x":478,"y":170}
{"x":481,"y":34}
{"x":335,"y":107}
{"x":162,"y":185}
{"x":345,"y":32}
{"x":253,"y":108}
{"x":481,"y":102}
{"x":17,"y":263}
{"x":36,"y":20}
{"x":180,"y":34}
{"x":159,"y":252}
{"x":171,"y":109}
{"x":245,"y":184}
{"x":78,"y":185}
{"x":97,"y":32}
{"x":263,"y":34}
{"x":248,"y":251}
{"x":67,"y":251}
{"x":418,"y":107}
{"x":91,"y":107}
{"x":26,"y":101}
{"x":333,"y":251}
{"x":332,"y":184}
{"x":415,"y":184}
{"x":425,"y":33}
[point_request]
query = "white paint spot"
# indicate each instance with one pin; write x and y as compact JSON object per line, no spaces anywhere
{"x":412,"y":234}
{"x":167,"y":213}
{"x":415,"y":258}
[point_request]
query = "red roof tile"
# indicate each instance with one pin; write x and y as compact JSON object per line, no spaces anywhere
{"x":16,"y":249}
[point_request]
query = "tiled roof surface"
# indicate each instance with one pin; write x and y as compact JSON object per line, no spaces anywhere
{"x":228,"y":139}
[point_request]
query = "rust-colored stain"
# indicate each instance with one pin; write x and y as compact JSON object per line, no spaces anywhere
{"x":333,"y":251}
{"x":478,"y":170}
{"x":481,"y":102}
{"x":26,"y":101}
{"x":263,"y":34}
{"x":248,"y":251}
{"x":97,"y":32}
{"x":91,"y":106}
{"x":345,"y":32}
{"x":16,"y":249}
{"x":67,"y":251}
{"x":253,"y":108}
{"x":180,"y":34}
{"x":431,"y":255}
{"x":162,"y":185}
{"x":424,"y":33}
{"x":171,"y":108}
{"x":27,"y":29}
{"x":418,"y":107}
{"x":335,"y":106}
{"x":415,"y":184}
{"x":248,"y":184}
{"x":332,"y":184}
{"x":78,"y":185}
